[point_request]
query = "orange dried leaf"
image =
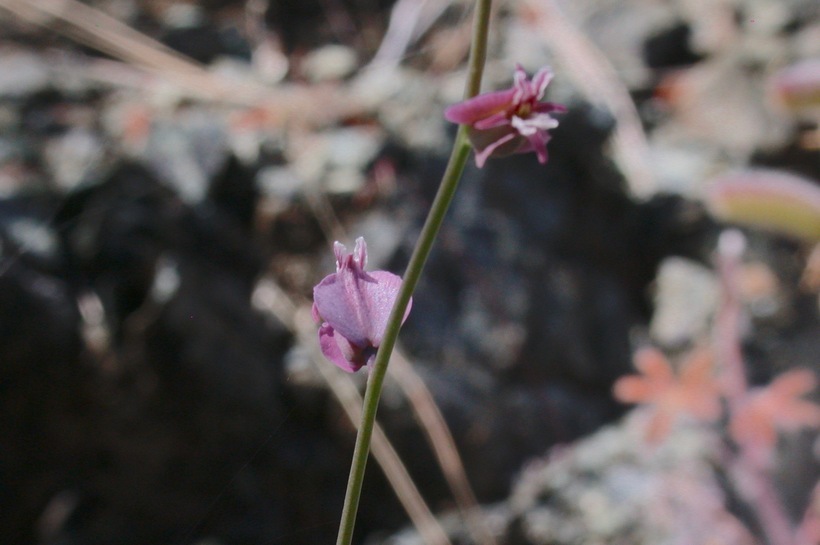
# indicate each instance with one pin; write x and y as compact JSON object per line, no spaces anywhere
{"x":651,"y":362}
{"x":694,"y":391}
{"x":633,"y":389}
{"x":794,"y":383}
{"x":777,"y":406}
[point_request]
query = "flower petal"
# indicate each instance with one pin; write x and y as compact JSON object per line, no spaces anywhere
{"x":540,"y":81}
{"x":511,"y":121}
{"x":380,"y":297}
{"x":340,"y":301}
{"x":538,"y":141}
{"x":495,"y":120}
{"x":548,"y":107}
{"x":356,"y":261}
{"x":520,"y":85}
{"x":534,"y":129}
{"x":541,"y":122}
{"x":357,"y":307}
{"x":329,"y":343}
{"x":360,"y":253}
{"x":482,"y":155}
{"x":353,"y":307}
{"x":480,"y":107}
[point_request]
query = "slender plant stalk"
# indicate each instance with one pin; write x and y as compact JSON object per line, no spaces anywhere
{"x":447,"y":189}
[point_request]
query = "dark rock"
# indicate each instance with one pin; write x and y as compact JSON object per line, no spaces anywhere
{"x":670,"y":48}
{"x":40,"y":390}
{"x":176,"y":434}
{"x":206,"y":42}
{"x":304,"y":25}
{"x":200,"y":43}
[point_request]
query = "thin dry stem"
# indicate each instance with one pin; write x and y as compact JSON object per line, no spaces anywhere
{"x":92,"y":27}
{"x":409,"y":20}
{"x":443,"y":444}
{"x":96,"y":29}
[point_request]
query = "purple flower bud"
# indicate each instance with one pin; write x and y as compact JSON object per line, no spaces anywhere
{"x":510,"y":121}
{"x":353,"y":307}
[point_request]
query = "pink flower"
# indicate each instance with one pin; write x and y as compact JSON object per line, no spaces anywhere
{"x":353,"y":307}
{"x":511,"y":121}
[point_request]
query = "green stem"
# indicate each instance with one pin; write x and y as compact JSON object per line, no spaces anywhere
{"x":446,"y":191}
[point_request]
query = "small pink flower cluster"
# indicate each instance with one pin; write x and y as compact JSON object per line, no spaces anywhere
{"x":510,"y":121}
{"x":353,"y":306}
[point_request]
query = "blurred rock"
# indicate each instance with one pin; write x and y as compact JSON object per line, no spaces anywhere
{"x":336,"y":160}
{"x":670,"y":47}
{"x":739,"y":125}
{"x":192,"y":351}
{"x":613,"y":488}
{"x":22,"y":73}
{"x":307,"y":24}
{"x":41,"y":395}
{"x":186,"y":150}
{"x":74,"y":157}
{"x":331,"y":62}
{"x":686,"y":297}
